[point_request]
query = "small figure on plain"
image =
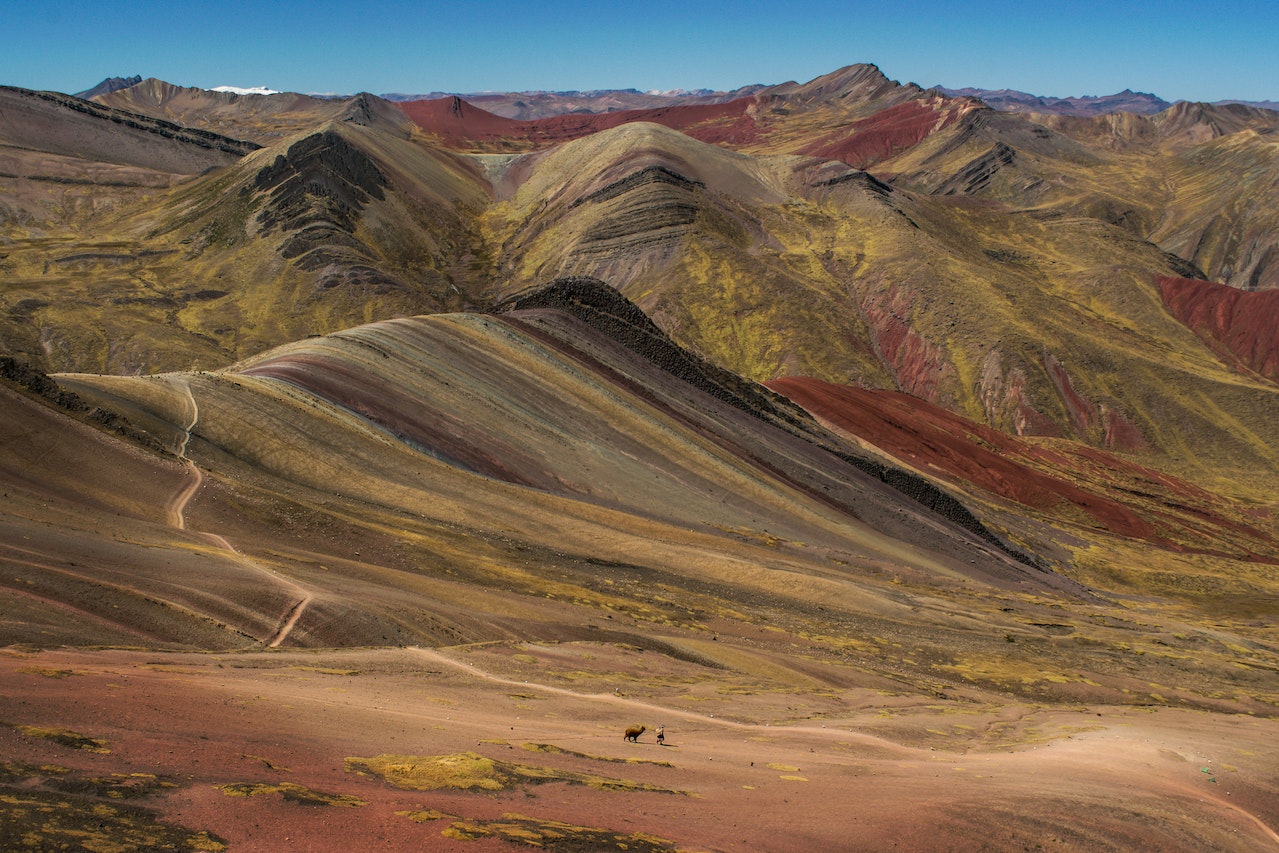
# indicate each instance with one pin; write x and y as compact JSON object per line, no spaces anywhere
{"x":661,"y":735}
{"x":633,"y":733}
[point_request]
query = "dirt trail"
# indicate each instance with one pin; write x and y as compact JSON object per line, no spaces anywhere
{"x":671,"y":713}
{"x":176,"y":509}
{"x":1228,"y":806}
{"x":178,"y":504}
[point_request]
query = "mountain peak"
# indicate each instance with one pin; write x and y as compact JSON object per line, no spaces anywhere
{"x":861,"y":80}
{"x":111,"y":84}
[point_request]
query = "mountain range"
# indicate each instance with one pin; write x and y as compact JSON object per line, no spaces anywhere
{"x":871,"y":433}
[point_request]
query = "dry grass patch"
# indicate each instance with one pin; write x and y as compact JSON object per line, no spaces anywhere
{"x":471,"y":771}
{"x":46,"y":672}
{"x":54,"y":808}
{"x":554,"y":834}
{"x":65,"y":737}
{"x":292,"y":793}
{"x":552,"y":748}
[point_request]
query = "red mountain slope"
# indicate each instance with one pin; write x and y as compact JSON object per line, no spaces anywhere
{"x":879,"y":136}
{"x":1063,"y":480}
{"x":1240,"y":325}
{"x":459,"y":123}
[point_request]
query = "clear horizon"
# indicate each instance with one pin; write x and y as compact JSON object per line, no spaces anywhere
{"x":1089,"y":48}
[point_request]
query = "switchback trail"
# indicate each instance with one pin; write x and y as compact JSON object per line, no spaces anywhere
{"x":176,"y":510}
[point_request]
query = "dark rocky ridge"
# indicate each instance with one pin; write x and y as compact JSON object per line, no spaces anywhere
{"x":604,"y":309}
{"x":137,"y":121}
{"x":41,"y":386}
{"x":111,"y":84}
{"x":976,"y":176}
{"x":317,"y":190}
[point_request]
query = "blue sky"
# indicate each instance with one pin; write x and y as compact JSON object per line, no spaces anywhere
{"x":1177,"y":50}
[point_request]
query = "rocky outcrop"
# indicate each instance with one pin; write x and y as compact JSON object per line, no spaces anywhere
{"x":657,"y":204}
{"x":977,"y":175}
{"x":603,"y":308}
{"x":317,"y":191}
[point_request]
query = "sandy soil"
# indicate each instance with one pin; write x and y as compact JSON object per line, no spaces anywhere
{"x":754,"y":771}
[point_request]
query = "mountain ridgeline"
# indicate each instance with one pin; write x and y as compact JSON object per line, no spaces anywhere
{"x":1073,"y":278}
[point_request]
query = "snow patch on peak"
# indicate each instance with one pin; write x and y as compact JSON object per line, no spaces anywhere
{"x":237,"y":90}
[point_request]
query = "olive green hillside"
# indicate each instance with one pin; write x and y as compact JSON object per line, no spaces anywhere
{"x":1037,"y":323}
{"x":346,"y":224}
{"x":466,"y":478}
{"x":1197,"y":180}
{"x":999,"y":267}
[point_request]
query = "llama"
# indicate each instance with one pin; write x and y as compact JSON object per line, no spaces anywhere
{"x":633,"y":733}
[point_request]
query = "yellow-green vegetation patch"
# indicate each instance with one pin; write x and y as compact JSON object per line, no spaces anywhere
{"x":293,"y":793}
{"x":553,"y":834}
{"x":550,"y":747}
{"x":472,"y":771}
{"x":1006,"y":671}
{"x":65,"y":737}
{"x":53,"y":808}
{"x":425,"y":815}
{"x":47,"y":672}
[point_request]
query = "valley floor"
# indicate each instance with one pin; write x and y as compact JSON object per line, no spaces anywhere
{"x":497,"y":746}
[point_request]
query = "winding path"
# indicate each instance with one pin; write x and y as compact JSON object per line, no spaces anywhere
{"x":608,"y":698}
{"x":176,"y":510}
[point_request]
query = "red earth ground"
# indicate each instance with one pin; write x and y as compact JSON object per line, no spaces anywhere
{"x":742,"y":771}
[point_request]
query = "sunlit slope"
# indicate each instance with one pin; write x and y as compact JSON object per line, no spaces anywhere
{"x":1237,"y":324}
{"x":682,"y":228}
{"x":266,"y":119}
{"x":500,"y":412}
{"x":451,"y":466}
{"x":64,"y":161}
{"x":534,"y":476}
{"x":1090,"y":494}
{"x":1198,"y":180}
{"x":1224,"y":213}
{"x":1035,"y":323}
{"x":92,"y":553}
{"x":351,"y":223}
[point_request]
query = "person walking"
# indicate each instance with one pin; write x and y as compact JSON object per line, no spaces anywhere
{"x":661,"y":735}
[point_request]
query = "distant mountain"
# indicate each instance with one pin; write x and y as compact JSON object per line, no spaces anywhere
{"x":527,"y":106}
{"x":1010,"y":100}
{"x":1261,"y":105}
{"x":111,"y":84}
